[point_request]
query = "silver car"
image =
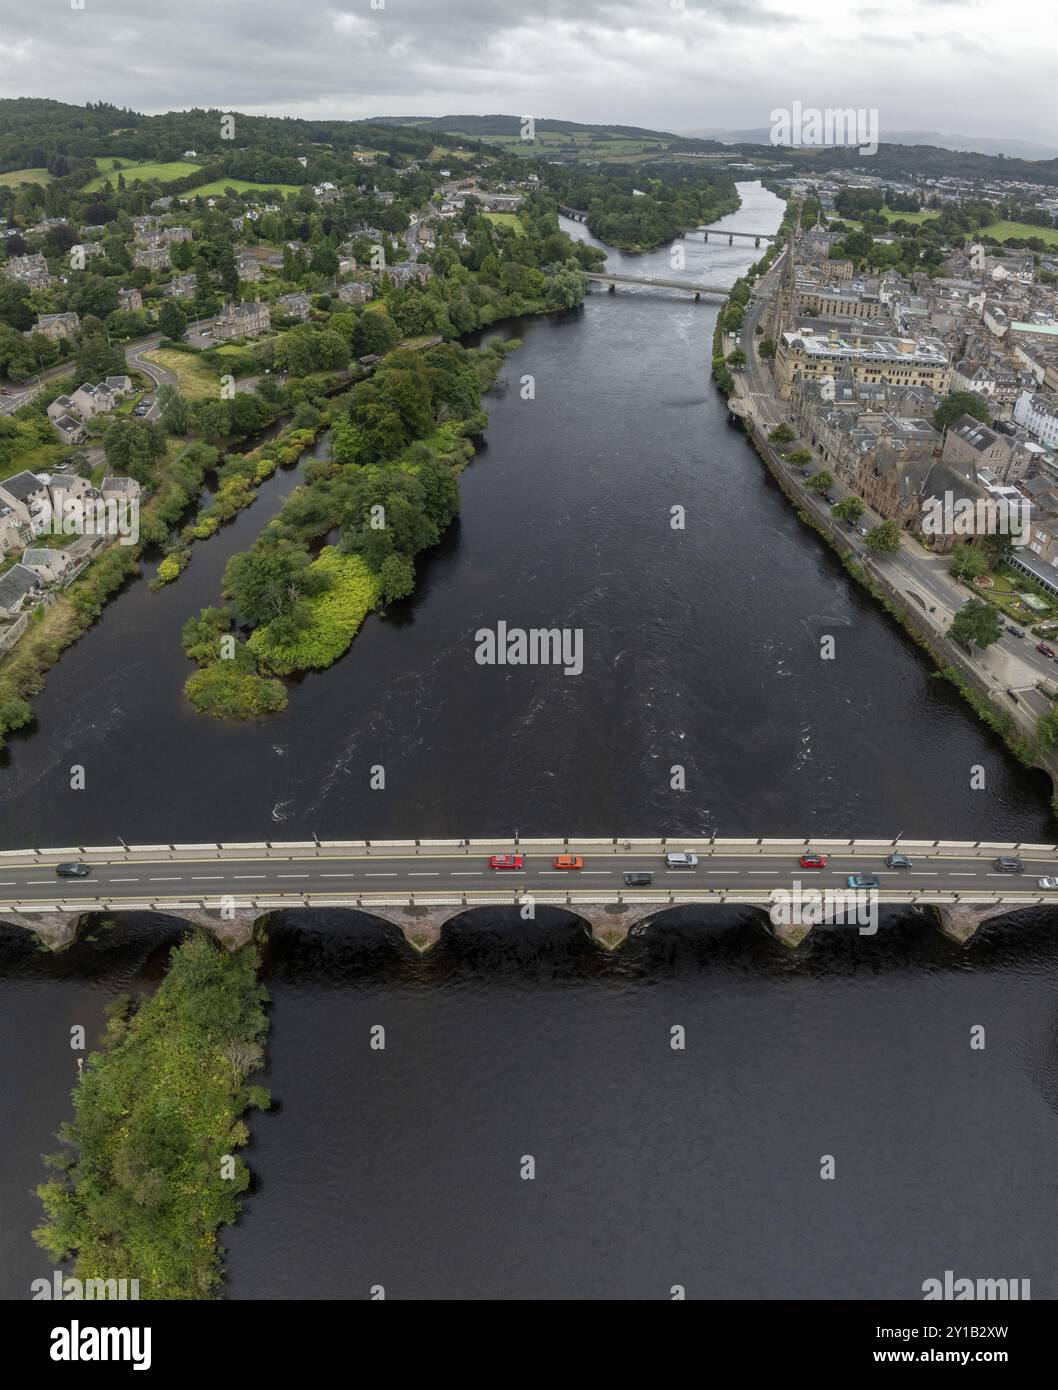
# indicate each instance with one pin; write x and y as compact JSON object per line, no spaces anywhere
{"x":1047,"y":882}
{"x":681,"y":861}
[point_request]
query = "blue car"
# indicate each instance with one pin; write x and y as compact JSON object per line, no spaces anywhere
{"x":861,"y":881}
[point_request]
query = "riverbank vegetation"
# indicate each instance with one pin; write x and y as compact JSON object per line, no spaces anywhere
{"x":638,"y":209}
{"x":390,"y":489}
{"x":149,"y":1172}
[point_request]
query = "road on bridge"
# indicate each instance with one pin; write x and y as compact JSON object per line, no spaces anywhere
{"x":207,"y":872}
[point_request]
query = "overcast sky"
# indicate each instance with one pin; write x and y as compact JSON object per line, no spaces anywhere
{"x":978,"y":67}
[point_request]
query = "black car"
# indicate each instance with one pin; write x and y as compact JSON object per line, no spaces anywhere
{"x":72,"y":870}
{"x":1014,"y":631}
{"x":1009,"y":864}
{"x":830,"y":499}
{"x":897,"y":861}
{"x":638,"y":879}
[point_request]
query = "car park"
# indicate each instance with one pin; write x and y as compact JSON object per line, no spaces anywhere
{"x":897,"y":861}
{"x":681,"y":861}
{"x":811,"y":860}
{"x":568,"y":861}
{"x":638,"y":878}
{"x":72,"y":870}
{"x":506,"y":861}
{"x":1009,"y":864}
{"x":862,"y":881}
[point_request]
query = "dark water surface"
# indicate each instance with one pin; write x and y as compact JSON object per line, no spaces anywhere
{"x":654,"y":1167}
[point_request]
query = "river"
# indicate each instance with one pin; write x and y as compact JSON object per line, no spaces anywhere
{"x":701,"y":651}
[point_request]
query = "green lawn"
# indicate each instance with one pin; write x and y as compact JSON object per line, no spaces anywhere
{"x":195,"y":378}
{"x":18,"y":176}
{"x":506,"y":219}
{"x":148,"y":169}
{"x":211,"y":190}
{"x":1004,"y":231}
{"x":916,"y":217}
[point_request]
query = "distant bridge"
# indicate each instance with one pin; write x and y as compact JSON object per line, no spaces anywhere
{"x":612,"y":279}
{"x":758,"y":237}
{"x":420,"y":885}
{"x":578,"y":214}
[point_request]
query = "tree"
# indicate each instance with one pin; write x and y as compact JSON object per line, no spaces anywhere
{"x":172,"y":320}
{"x":884,"y":538}
{"x":967,"y":561}
{"x":781,"y":434}
{"x":822,"y":481}
{"x":376,"y":333}
{"x":850,"y":508}
{"x":958,"y":403}
{"x":396,"y":577}
{"x":174,"y":413}
{"x":766,"y":348}
{"x":976,"y":622}
{"x":736,"y":358}
{"x":800,"y":457}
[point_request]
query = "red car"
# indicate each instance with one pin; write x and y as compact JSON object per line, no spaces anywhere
{"x":1043,"y":647}
{"x":507,"y":861}
{"x":813,"y":861}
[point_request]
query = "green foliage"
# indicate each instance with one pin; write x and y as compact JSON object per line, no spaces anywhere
{"x":334,"y":618}
{"x":884,"y":538}
{"x":781,"y":434}
{"x":226,"y":690}
{"x":958,"y":403}
{"x":968,"y":561}
{"x":977,"y":623}
{"x":850,"y":508}
{"x":139,"y":1191}
{"x":821,"y":481}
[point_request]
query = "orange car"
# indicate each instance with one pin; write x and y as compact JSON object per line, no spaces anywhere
{"x":568,"y":861}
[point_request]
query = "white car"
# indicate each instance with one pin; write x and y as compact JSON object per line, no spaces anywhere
{"x":1048,"y":882}
{"x":681,"y":861}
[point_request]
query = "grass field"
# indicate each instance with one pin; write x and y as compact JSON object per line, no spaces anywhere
{"x":916,"y":217}
{"x":211,"y":190}
{"x":164,"y":173}
{"x":195,"y":378}
{"x":18,"y":176}
{"x":506,"y":219}
{"x":439,"y":152}
{"x":1003,"y":231}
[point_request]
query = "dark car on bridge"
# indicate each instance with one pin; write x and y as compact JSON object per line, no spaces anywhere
{"x":638,"y":879}
{"x":1009,"y":864}
{"x":72,"y":870}
{"x":897,"y":861}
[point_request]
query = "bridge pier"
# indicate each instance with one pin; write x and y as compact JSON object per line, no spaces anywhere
{"x":731,"y":239}
{"x":706,"y":235}
{"x":612,"y":288}
{"x":697,"y":296}
{"x":960,"y":922}
{"x":56,"y":930}
{"x":756,"y":241}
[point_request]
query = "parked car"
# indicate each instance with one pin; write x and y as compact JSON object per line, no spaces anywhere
{"x":1043,"y":647}
{"x":507,"y":861}
{"x":1014,"y":631}
{"x":638,"y":878}
{"x":862,"y":881}
{"x":72,"y":870}
{"x":897,"y":861}
{"x":863,"y":530}
{"x":811,"y":860}
{"x":681,"y":861}
{"x":830,"y":499}
{"x":568,"y":861}
{"x":1047,"y":882}
{"x":1009,"y":864}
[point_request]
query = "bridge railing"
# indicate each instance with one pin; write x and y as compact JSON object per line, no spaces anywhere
{"x":711,"y":845}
